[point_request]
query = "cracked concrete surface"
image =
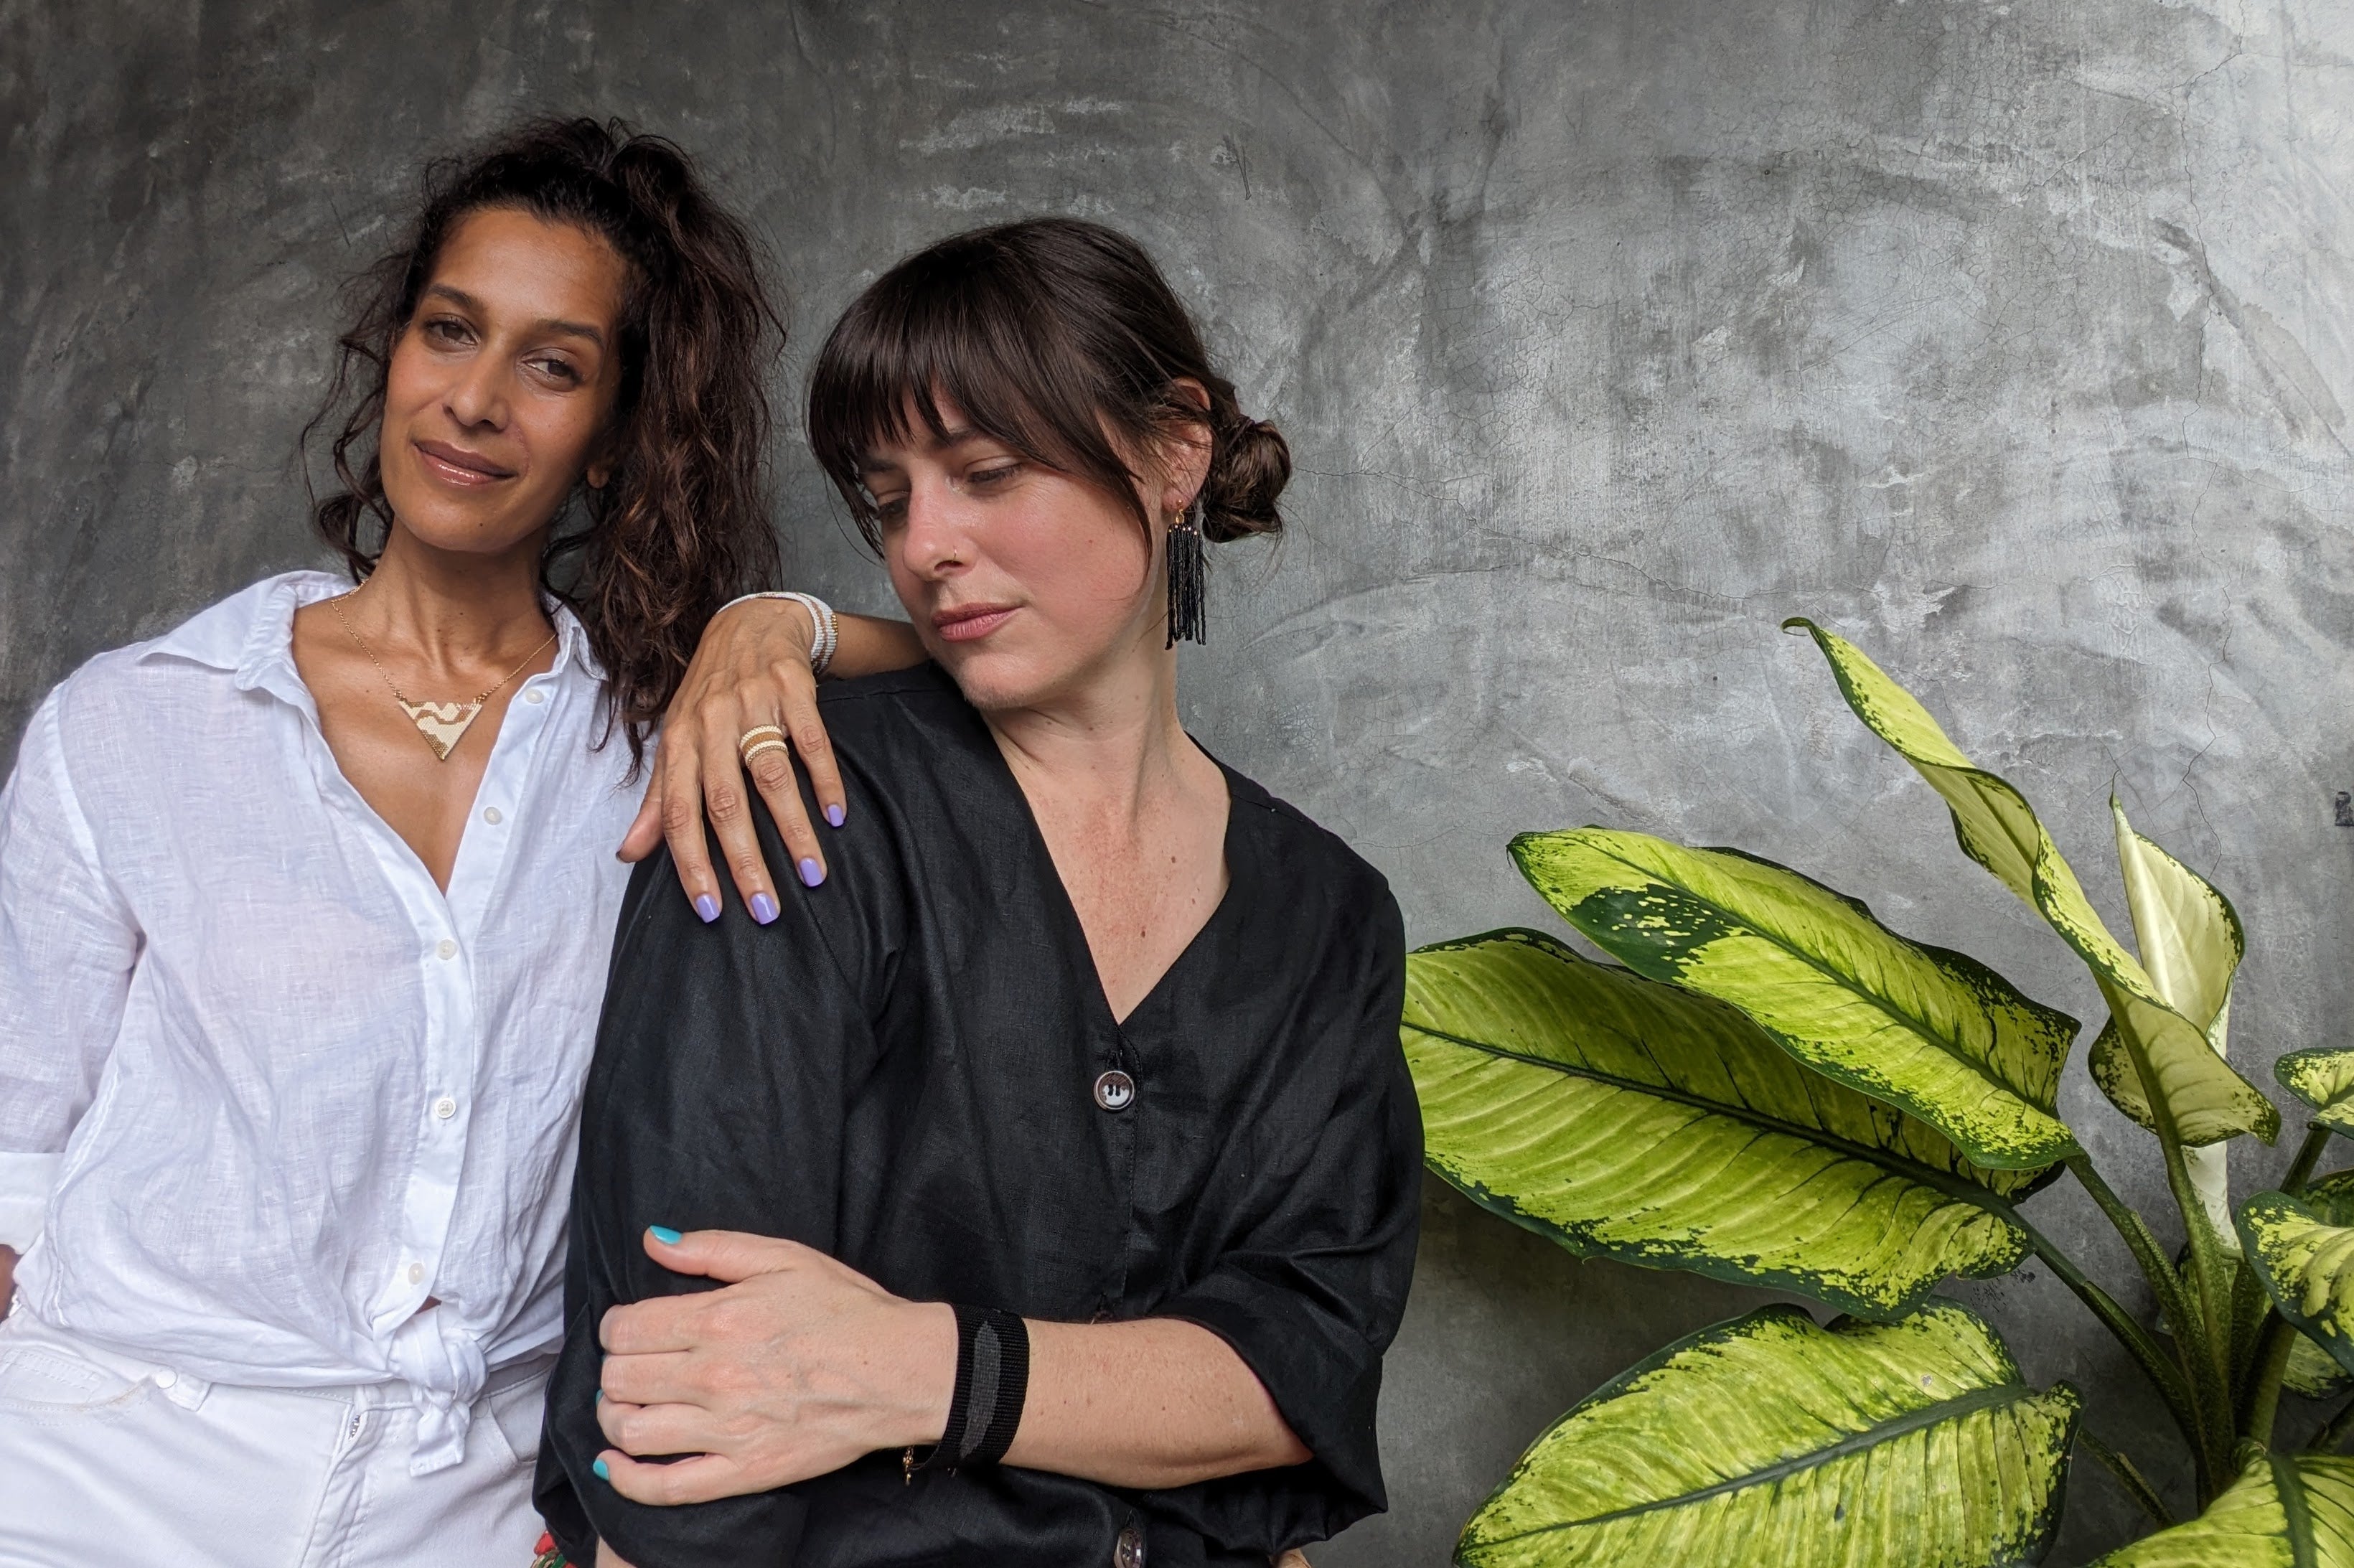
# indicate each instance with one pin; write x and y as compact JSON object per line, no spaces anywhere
{"x":2011,"y":341}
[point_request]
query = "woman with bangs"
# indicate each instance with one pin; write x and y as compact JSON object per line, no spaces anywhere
{"x":1042,"y":1188}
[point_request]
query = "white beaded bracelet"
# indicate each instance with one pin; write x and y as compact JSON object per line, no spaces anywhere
{"x":826,"y":635}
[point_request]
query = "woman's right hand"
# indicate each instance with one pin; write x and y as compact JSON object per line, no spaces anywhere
{"x":752,"y":668}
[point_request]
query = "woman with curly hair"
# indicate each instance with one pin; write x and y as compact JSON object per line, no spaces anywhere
{"x":305,"y":905}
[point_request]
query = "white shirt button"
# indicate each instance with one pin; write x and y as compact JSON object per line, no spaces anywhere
{"x":166,"y":1378}
{"x":490,"y":815}
{"x":447,"y":949}
{"x":534,"y":696}
{"x":445,"y":1107}
{"x":416,"y":1274}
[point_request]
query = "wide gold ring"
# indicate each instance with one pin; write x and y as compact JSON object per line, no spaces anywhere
{"x":766,"y":734}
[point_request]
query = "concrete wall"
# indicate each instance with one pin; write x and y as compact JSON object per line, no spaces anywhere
{"x":2011,"y":339}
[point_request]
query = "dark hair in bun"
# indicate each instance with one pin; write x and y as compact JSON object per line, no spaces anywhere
{"x":1044,"y":333}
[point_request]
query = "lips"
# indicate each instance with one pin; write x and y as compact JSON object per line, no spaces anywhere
{"x":455,"y":465}
{"x":971,"y":622}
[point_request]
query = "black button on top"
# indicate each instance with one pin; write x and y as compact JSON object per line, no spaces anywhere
{"x":1115,"y":1090}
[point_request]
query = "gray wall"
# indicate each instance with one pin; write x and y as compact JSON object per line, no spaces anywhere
{"x":2011,"y":339}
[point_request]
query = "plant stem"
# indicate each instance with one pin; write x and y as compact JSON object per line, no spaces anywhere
{"x":2249,"y":1305}
{"x":2127,"y":1475}
{"x":2207,"y":1414}
{"x":2206,"y":1343}
{"x":2308,"y":1155}
{"x":2138,"y":1342}
{"x":2271,"y":1362}
{"x":2165,"y":1283}
{"x":2326,"y":1440}
{"x":2206,"y":1339}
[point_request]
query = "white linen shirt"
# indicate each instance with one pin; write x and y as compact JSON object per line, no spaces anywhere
{"x":264,"y":1088}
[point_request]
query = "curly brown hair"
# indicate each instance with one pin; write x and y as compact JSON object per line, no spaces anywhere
{"x":683,"y":526}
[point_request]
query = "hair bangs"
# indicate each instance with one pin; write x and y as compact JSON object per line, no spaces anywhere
{"x":964,"y":324}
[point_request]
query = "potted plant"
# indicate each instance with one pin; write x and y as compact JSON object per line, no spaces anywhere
{"x":1772,"y":1086}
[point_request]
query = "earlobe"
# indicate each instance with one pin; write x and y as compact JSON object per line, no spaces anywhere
{"x":599,"y":475}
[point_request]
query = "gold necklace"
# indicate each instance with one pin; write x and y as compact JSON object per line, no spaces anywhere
{"x":442,"y":724}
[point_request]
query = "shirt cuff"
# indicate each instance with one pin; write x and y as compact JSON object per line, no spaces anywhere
{"x":25,"y":1182}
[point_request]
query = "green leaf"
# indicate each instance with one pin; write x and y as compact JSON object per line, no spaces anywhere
{"x":2324,"y":1079}
{"x":2285,"y":1511}
{"x":1769,"y":1440}
{"x":2205,"y":1098}
{"x":1935,"y":1033}
{"x":1633,"y":1120}
{"x":2303,"y":1251}
{"x":2310,"y":1372}
{"x":2189,"y":936}
{"x":2191,"y":945}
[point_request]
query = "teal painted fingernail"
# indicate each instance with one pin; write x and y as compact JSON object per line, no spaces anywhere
{"x":665,"y":1235}
{"x":603,"y":1474}
{"x":600,"y":1396}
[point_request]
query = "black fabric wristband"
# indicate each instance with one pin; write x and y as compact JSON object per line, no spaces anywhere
{"x":993,"y":1379}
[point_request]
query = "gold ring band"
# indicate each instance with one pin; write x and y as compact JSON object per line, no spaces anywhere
{"x":771,"y":731}
{"x":751,"y":752}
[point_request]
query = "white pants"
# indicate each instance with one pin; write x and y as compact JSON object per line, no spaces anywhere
{"x":108,"y":1463}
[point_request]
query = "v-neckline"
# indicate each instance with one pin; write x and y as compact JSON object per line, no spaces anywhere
{"x":1098,"y":998}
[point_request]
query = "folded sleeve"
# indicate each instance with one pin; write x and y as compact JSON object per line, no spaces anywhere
{"x":1312,"y":1295}
{"x":715,"y":1102}
{"x":68,"y":944}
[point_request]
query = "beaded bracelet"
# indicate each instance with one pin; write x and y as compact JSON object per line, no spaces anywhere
{"x":825,"y":635}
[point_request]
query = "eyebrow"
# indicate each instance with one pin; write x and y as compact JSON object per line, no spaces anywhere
{"x":465,"y":300}
{"x":961,"y":433}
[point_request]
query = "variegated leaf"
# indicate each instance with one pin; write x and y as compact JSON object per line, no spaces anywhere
{"x":1935,"y":1033}
{"x":1637,"y":1121}
{"x":2191,"y":945}
{"x":2206,"y":1100}
{"x":1769,"y":1440}
{"x":2302,"y":1249}
{"x":2324,"y":1079}
{"x":2285,"y":1511}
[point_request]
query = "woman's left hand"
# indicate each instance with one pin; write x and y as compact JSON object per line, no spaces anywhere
{"x":798,"y":1366}
{"x":751,"y":669}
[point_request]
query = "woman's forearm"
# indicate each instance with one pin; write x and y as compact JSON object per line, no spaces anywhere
{"x":1149,"y":1404}
{"x":867,"y":645}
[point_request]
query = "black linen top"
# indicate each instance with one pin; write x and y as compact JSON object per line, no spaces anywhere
{"x":901,"y":1071}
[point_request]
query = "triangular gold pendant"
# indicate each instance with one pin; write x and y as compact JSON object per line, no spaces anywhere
{"x":442,"y":724}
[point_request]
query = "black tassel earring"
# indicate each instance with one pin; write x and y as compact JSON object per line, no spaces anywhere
{"x":1185,"y":579}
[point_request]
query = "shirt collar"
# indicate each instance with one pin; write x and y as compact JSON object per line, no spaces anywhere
{"x":251,"y":633}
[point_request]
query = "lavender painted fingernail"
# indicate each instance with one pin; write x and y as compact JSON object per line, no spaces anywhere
{"x":834,"y":814}
{"x":763,"y":908}
{"x":707,"y":906}
{"x":812,"y":873}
